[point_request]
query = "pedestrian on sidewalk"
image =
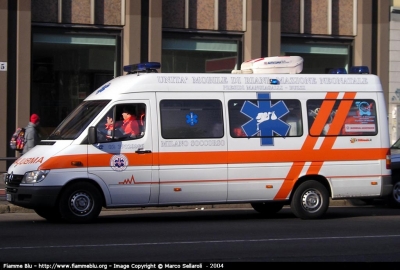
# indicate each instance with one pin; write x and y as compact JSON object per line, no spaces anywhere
{"x":32,"y":136}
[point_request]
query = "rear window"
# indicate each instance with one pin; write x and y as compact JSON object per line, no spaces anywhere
{"x":359,"y":117}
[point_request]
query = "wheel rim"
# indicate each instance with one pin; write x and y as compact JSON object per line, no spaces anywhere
{"x":311,"y":201}
{"x":81,"y":203}
{"x":396,"y":192}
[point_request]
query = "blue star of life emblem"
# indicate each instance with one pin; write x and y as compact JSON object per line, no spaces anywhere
{"x":191,"y":119}
{"x":103,"y":88}
{"x":265,"y":119}
{"x":118,"y":162}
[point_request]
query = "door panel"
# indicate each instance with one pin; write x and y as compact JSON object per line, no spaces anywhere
{"x":125,"y":164}
{"x":192,"y":156}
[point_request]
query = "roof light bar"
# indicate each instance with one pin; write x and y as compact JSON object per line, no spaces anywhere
{"x":146,"y":67}
{"x":359,"y":70}
{"x":337,"y":71}
{"x":274,"y":81}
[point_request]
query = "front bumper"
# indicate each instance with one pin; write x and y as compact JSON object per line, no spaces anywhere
{"x":33,"y":197}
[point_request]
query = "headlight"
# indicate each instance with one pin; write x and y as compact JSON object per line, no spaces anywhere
{"x":34,"y":177}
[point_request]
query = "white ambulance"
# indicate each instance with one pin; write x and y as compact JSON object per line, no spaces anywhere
{"x":263,"y":135}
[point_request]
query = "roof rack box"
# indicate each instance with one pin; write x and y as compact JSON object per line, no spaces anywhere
{"x":272,"y":65}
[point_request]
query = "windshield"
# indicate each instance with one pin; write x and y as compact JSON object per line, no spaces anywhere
{"x":78,"y":120}
{"x":396,"y":145}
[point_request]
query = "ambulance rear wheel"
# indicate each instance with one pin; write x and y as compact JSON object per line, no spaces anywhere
{"x":267,"y":208}
{"x":50,"y":214}
{"x":80,"y":203}
{"x":310,"y":200}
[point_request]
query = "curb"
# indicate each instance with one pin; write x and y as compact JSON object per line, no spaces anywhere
{"x":9,"y":208}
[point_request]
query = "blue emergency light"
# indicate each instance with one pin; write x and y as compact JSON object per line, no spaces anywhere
{"x":146,"y":67}
{"x":337,"y":71}
{"x":274,"y":81}
{"x":359,"y":70}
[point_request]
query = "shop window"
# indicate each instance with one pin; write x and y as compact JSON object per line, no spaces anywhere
{"x":66,"y":68}
{"x":199,"y":56}
{"x":318,"y":58}
{"x":191,"y":119}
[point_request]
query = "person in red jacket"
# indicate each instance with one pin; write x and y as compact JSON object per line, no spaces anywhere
{"x":130,"y":125}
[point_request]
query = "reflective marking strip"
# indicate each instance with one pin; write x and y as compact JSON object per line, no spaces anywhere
{"x":209,"y":158}
{"x":327,"y":143}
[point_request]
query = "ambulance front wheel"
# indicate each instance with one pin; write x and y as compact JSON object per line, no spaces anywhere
{"x":80,"y":203}
{"x":310,"y":200}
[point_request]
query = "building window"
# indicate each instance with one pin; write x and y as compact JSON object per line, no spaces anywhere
{"x":66,"y":68}
{"x":318,"y":57}
{"x":200,"y":55}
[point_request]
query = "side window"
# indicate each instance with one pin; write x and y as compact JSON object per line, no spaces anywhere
{"x":342,"y":117}
{"x":123,"y":122}
{"x":191,"y":119}
{"x":265,"y":118}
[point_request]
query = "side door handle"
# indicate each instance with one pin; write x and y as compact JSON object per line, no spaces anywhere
{"x":142,"y":151}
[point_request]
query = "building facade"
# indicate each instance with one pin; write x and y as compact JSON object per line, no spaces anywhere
{"x":55,"y":52}
{"x":394,"y":71}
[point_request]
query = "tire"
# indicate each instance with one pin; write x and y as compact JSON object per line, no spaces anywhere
{"x":80,"y":203}
{"x":267,"y":208}
{"x":310,"y":200}
{"x":50,"y":214}
{"x":394,"y":197}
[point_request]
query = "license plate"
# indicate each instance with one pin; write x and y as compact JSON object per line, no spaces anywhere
{"x":8,"y":197}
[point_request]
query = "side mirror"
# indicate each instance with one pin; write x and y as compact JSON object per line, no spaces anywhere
{"x":92,"y":136}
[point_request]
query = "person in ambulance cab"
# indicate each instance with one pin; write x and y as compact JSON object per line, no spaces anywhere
{"x":142,"y":120}
{"x":130,"y":125}
{"x":109,"y":124}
